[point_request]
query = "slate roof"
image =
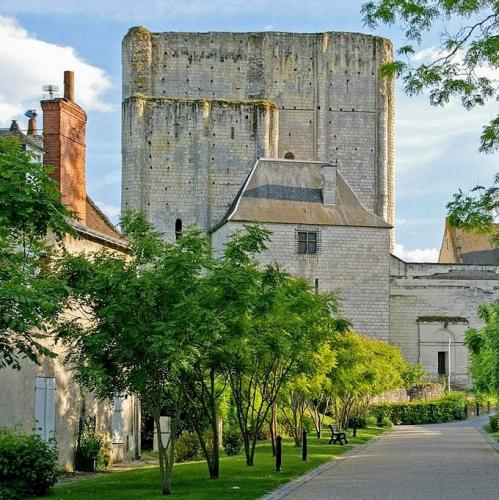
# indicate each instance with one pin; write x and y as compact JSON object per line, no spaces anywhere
{"x":289,"y":192}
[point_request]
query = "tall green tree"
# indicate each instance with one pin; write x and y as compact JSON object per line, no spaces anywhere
{"x":483,"y":344}
{"x":468,"y":34}
{"x":364,"y":368}
{"x":274,"y":324}
{"x":31,"y":295}
{"x":141,"y":311}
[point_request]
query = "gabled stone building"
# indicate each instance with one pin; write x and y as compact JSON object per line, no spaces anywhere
{"x":292,"y":131}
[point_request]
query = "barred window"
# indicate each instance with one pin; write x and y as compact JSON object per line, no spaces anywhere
{"x":307,"y":242}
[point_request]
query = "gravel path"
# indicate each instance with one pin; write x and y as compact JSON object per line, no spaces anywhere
{"x":441,"y":461}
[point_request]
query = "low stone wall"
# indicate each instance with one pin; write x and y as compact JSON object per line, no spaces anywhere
{"x":394,"y":396}
{"x":425,"y":392}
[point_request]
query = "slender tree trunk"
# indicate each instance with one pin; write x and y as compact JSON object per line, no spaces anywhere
{"x":165,"y":465}
{"x":247,"y":447}
{"x":273,"y":427}
{"x":215,"y":456}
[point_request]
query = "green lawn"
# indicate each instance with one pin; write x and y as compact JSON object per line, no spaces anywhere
{"x":190,"y":480}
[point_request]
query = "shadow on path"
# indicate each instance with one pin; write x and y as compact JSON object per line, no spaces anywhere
{"x":413,"y":462}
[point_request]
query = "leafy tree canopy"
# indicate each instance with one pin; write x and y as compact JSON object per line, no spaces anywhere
{"x":483,"y":345}
{"x":31,"y":295}
{"x":477,"y":210}
{"x":469,"y":46}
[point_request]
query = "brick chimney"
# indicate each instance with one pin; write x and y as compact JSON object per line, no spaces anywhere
{"x":64,"y":124}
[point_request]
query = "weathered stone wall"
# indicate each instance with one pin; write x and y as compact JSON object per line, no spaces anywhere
{"x":430,"y":303}
{"x":333,"y":106}
{"x":187,"y":159}
{"x":352,"y":262}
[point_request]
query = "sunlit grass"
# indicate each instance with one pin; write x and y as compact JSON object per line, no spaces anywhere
{"x":191,"y":481}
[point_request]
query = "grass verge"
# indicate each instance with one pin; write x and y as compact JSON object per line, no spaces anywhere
{"x":191,"y":481}
{"x":495,"y":435}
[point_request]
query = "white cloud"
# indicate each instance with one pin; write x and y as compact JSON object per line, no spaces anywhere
{"x":111,"y":211}
{"x":29,"y":63}
{"x":416,"y":255}
{"x":113,"y":177}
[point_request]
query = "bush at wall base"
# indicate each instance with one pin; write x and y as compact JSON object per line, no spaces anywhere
{"x":93,"y":452}
{"x":28,"y":465}
{"x":421,"y":412}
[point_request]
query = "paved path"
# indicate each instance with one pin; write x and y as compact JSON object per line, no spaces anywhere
{"x":441,"y":461}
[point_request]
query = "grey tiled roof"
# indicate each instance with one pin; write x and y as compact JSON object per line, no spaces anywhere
{"x":289,"y":192}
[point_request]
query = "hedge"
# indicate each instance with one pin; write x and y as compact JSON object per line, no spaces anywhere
{"x":28,"y":465}
{"x":421,"y":412}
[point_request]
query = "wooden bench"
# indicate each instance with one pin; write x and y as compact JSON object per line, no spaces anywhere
{"x":337,"y":436}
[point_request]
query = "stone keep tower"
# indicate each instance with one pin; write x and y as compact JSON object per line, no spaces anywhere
{"x":200,"y":108}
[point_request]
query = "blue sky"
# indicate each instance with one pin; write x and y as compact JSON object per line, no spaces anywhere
{"x":436,"y":148}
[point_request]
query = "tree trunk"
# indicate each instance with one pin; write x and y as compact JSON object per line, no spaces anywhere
{"x":273,"y":427}
{"x":165,"y":468}
{"x":247,"y":448}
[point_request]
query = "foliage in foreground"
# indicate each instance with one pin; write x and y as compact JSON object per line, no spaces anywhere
{"x":31,"y":295}
{"x":469,"y":46}
{"x":483,"y":345}
{"x":27,"y":465}
{"x":422,"y":412}
{"x":176,"y":327}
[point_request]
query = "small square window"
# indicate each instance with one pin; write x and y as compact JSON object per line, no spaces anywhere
{"x":307,"y":242}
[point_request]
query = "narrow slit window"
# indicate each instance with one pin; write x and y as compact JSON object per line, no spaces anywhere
{"x":178,"y":229}
{"x":232,"y":133}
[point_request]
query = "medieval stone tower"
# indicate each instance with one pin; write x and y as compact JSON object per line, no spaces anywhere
{"x":200,"y":108}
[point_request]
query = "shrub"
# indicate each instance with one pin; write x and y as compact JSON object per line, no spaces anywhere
{"x":494,"y":423}
{"x":414,"y":375}
{"x":186,"y":447}
{"x":93,"y":453}
{"x":28,"y":465}
{"x":359,"y":421}
{"x":422,"y":412}
{"x":233,"y":442}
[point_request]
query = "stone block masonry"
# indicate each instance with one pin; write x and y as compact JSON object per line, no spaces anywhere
{"x":352,"y":263}
{"x":430,"y":303}
{"x":332,"y":106}
{"x":187,"y":159}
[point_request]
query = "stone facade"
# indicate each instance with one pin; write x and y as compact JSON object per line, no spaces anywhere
{"x":432,"y":303}
{"x":200,"y":110}
{"x":332,"y":106}
{"x":340,"y":266}
{"x":187,"y":160}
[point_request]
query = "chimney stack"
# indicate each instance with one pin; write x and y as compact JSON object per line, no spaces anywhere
{"x":69,"y":91}
{"x":31,"y":114}
{"x":64,"y":124}
{"x":328,"y":184}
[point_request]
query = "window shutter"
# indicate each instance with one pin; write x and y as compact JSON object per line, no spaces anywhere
{"x":117,"y":424}
{"x":45,"y":407}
